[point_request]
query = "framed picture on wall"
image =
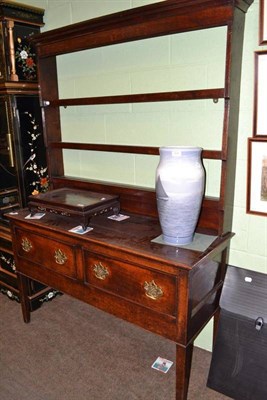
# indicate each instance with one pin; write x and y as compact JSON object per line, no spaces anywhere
{"x":263,"y":22}
{"x":257,"y":176}
{"x":260,"y":94}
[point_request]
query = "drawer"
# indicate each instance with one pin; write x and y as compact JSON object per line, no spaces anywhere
{"x":149,"y":288}
{"x":52,"y":254}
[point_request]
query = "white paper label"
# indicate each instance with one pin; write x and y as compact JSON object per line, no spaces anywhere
{"x":176,"y":153}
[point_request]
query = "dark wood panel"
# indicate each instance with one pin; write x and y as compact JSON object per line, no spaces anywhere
{"x":55,"y":255}
{"x":172,"y":16}
{"x":114,"y":272}
{"x":51,"y":116}
{"x":143,"y":201}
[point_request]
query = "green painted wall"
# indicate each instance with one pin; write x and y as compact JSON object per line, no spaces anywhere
{"x":193,"y":60}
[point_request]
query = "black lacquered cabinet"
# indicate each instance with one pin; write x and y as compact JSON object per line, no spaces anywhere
{"x":22,"y":154}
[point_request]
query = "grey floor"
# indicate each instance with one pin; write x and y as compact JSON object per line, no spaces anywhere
{"x":71,"y":351}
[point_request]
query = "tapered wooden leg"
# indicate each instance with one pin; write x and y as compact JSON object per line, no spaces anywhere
{"x":24,"y":299}
{"x":183,"y":369}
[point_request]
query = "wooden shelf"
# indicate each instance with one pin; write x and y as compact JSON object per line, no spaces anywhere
{"x":140,"y":98}
{"x":164,"y":18}
{"x":208,"y":154}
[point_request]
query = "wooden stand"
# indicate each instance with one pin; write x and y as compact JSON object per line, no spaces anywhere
{"x":74,"y":203}
{"x":118,"y":268}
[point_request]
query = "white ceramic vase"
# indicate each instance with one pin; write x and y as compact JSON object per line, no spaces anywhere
{"x":180,"y":182}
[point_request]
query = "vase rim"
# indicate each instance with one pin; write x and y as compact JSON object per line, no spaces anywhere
{"x":184,"y":148}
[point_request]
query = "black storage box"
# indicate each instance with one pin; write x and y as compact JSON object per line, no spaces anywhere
{"x":239,"y":360}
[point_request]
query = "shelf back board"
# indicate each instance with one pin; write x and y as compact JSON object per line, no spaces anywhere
{"x":153,"y":20}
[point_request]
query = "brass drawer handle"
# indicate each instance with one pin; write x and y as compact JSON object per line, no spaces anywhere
{"x":100,"y":271}
{"x":153,"y":291}
{"x":26,"y":245}
{"x":60,"y":257}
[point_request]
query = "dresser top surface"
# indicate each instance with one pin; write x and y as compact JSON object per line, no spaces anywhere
{"x":134,"y":236}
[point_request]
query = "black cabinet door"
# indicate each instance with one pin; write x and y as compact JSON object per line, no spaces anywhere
{"x":7,"y":157}
{"x":30,"y":150}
